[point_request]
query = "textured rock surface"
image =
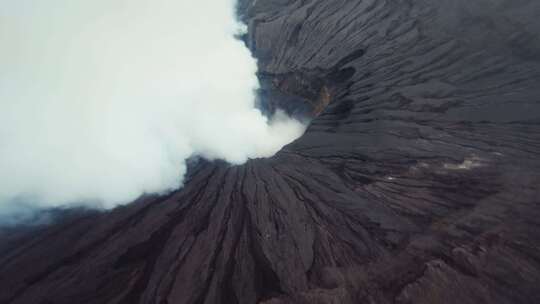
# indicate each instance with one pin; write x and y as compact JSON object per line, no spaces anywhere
{"x":418,"y":180}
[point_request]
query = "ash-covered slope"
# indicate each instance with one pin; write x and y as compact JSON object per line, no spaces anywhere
{"x":416,"y":182}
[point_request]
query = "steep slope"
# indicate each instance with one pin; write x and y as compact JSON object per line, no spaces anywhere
{"x":417,"y":180}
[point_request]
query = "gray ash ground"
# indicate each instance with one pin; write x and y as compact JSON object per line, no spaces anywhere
{"x":417,"y":181}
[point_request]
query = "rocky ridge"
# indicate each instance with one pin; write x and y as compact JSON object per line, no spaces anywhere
{"x":416,"y":181}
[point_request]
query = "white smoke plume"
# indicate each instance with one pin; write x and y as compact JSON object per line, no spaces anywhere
{"x":102,"y":101}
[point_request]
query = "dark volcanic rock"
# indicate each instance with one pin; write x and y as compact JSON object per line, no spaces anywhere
{"x":418,"y":180}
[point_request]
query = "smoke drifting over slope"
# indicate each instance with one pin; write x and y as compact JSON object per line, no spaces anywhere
{"x":102,"y":101}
